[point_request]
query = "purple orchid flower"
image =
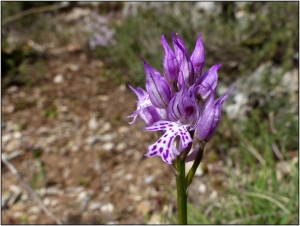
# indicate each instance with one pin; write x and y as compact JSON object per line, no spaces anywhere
{"x":180,"y":102}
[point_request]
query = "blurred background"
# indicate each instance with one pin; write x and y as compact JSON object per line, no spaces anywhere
{"x":65,"y":70}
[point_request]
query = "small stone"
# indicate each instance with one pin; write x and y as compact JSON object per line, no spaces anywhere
{"x":121,"y":146}
{"x":34,"y":209}
{"x":108,"y":146}
{"x":148,"y":179}
{"x":47,"y":201}
{"x":202,"y":188}
{"x":94,"y":206}
{"x":52,"y":191}
{"x":92,"y":140}
{"x":106,"y":189}
{"x":12,"y":89}
{"x":6,"y":137}
{"x":213,"y":195}
{"x":105,"y":127}
{"x":128,"y":176}
{"x":112,"y":222}
{"x":51,"y":139}
{"x":17,"y":135}
{"x":83,"y":196}
{"x":155,"y":219}
{"x":24,"y":197}
{"x":93,"y":124}
{"x":54,"y":202}
{"x":122,"y":87}
{"x":282,"y":170}
{"x":107,"y":208}
{"x":73,"y":67}
{"x":123,"y":129}
{"x":58,"y":79}
{"x":108,"y":137}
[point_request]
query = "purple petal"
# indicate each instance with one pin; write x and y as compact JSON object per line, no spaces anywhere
{"x":142,"y":102}
{"x":198,"y":56}
{"x":164,"y":147}
{"x":207,"y":82}
{"x":170,"y":64}
{"x":185,"y":63}
{"x":178,"y":53}
{"x":157,"y":87}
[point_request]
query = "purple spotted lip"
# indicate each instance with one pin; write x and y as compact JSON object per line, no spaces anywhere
{"x":180,"y":101}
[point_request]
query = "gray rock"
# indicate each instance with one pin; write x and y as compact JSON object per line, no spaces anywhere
{"x":51,"y":139}
{"x":93,"y":124}
{"x":6,"y":137}
{"x":52,"y":191}
{"x":112,"y":222}
{"x":108,"y":137}
{"x":83,"y":197}
{"x":12,"y":89}
{"x":148,"y":179}
{"x":94,"y":206}
{"x":107,"y":208}
{"x":123,"y":129}
{"x":202,"y":188}
{"x":92,"y":140}
{"x":108,"y":146}
{"x":58,"y":79}
{"x":121,"y":146}
{"x":17,"y":135}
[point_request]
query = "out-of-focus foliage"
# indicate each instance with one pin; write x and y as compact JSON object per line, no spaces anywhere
{"x":239,"y":38}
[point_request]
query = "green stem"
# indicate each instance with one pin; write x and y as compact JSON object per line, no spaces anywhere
{"x":190,"y":175}
{"x":181,"y":192}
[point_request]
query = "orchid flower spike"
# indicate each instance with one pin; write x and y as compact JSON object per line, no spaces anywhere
{"x":180,"y":105}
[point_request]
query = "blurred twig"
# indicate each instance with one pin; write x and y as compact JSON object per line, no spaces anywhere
{"x":34,"y":10}
{"x":249,"y":146}
{"x":29,"y":189}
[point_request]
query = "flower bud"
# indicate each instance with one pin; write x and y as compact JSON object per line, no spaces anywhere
{"x":186,"y":66}
{"x":211,"y":117}
{"x":170,"y":64}
{"x":207,"y":82}
{"x":198,"y":56}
